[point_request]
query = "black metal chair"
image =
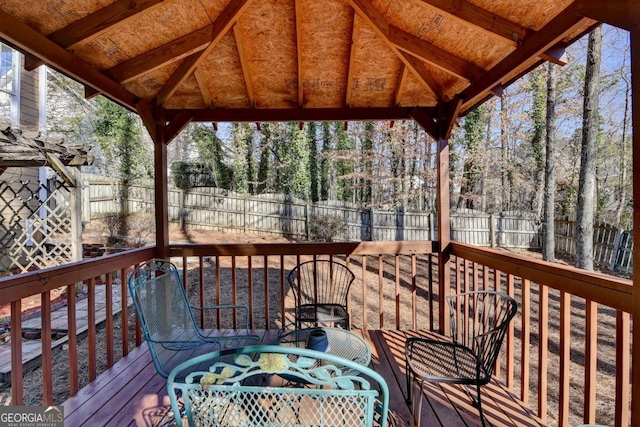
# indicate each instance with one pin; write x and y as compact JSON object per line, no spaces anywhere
{"x":321,"y":291}
{"x":479,"y":322}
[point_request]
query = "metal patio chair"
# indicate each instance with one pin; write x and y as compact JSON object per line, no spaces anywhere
{"x":479,"y":322}
{"x":167,"y":318}
{"x":321,"y":292}
{"x":252,"y":387}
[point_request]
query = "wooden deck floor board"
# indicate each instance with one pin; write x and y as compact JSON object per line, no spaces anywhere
{"x":132,"y":393}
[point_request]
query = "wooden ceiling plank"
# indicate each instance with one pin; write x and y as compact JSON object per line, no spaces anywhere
{"x":220,"y":27}
{"x":400,"y":86}
{"x":100,"y":21}
{"x":434,"y":55}
{"x":550,"y":35}
{"x":177,"y":124}
{"x":30,"y":41}
{"x":614,"y":12}
{"x":244,"y":63}
{"x":352,"y":55}
{"x":370,"y":14}
{"x":481,"y":19}
{"x":299,"y":52}
{"x":202,"y":84}
{"x":251,"y":115}
{"x":162,"y":55}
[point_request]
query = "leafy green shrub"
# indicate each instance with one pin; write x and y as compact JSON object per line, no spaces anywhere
{"x":325,"y":228}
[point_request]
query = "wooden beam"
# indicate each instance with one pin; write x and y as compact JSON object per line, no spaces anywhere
{"x":370,"y":14}
{"x":161,"y":190}
{"x":244,"y":63}
{"x":548,"y":36}
{"x":620,"y":13}
{"x":32,"y":62}
{"x":202,"y":84}
{"x":557,"y":55}
{"x":221,"y":26}
{"x":480,"y":19}
{"x":176,"y":125}
{"x":250,"y":115}
{"x":426,"y":121}
{"x":30,"y":41}
{"x":400,"y":86}
{"x":451,"y":113}
{"x":146,"y":113}
{"x":299,"y":54}
{"x":98,"y":22}
{"x":67,"y":175}
{"x":352,"y":54}
{"x":444,"y":225}
{"x":434,"y":55}
{"x":90,"y":92}
{"x":162,"y":55}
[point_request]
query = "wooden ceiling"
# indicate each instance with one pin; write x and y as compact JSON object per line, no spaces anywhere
{"x":291,"y":60}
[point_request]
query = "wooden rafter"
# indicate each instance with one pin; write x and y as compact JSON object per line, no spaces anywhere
{"x":146,"y":113}
{"x":162,"y":55}
{"x":244,"y":63}
{"x":432,"y":54}
{"x":90,"y":92}
{"x":400,"y":86}
{"x":481,"y":19}
{"x":621,"y":13}
{"x":557,"y":54}
{"x":202,"y":85}
{"x":100,"y":21}
{"x":548,"y":36}
{"x":378,"y":23}
{"x":299,"y":54}
{"x":221,"y":26}
{"x":295,"y":114}
{"x":175,"y":126}
{"x":32,"y":62}
{"x":30,"y":41}
{"x":352,"y":54}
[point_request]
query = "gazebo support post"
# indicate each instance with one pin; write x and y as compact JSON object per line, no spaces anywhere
{"x":635,"y":118}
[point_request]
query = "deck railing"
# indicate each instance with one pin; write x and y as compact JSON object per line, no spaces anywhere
{"x":572,"y":330}
{"x":569,"y":347}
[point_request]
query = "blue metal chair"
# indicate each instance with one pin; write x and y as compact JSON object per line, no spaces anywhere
{"x":479,"y":322}
{"x":167,"y":319}
{"x":246,"y":390}
{"x":321,"y":292}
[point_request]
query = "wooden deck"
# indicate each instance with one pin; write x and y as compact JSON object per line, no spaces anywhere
{"x":131,"y":393}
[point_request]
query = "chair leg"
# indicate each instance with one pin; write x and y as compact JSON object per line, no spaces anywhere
{"x":480,"y":407}
{"x":409,"y":385}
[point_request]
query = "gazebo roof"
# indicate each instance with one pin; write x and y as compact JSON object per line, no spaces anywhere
{"x":292,"y":60}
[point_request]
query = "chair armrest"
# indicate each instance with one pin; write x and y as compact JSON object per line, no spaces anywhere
{"x":243,"y":308}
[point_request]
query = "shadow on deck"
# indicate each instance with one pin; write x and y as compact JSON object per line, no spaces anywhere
{"x":131,"y":393}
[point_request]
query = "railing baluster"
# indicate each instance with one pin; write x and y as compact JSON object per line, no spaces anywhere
{"x":414,"y":301}
{"x":590,"y":361}
{"x":185,"y":270}
{"x":124,"y":301}
{"x":250,"y":284}
{"x":47,"y":362}
{"x":202,"y":289}
{"x":543,"y":350}
{"x":485,"y":278}
{"x":380,"y":292}
{"x":282,"y":290}
{"x":266,"y":292}
{"x":430,"y":285}
{"x":72,"y":339}
{"x":397,"y":283}
{"x":525,"y":372}
{"x":476,"y":276}
{"x":623,"y":381}
{"x":234,"y":290}
{"x":218,"y":296}
{"x":365,"y":324}
{"x":108,"y":291}
{"x":91,"y":327}
{"x":510,"y":337}
{"x":565,"y":358}
{"x":17,"y":391}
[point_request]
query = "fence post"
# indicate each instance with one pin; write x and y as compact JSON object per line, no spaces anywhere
{"x":306,"y":220}
{"x":616,"y":249}
{"x":244,"y":212}
{"x":371,"y":224}
{"x":492,"y":230}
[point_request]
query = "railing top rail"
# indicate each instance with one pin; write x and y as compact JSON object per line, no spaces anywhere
{"x":13,"y":288}
{"x":333,"y":248}
{"x":611,"y":291}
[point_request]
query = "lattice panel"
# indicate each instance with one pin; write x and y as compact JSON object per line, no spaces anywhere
{"x":34,"y":233}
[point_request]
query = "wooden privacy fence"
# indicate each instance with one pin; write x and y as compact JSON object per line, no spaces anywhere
{"x":214,"y":208}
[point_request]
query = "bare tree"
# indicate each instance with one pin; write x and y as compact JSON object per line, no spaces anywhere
{"x":586,"y":187}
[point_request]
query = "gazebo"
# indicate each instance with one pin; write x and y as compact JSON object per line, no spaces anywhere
{"x":432,"y":61}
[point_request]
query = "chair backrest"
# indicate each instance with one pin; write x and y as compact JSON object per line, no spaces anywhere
{"x":479,"y":321}
{"x":163,"y":309}
{"x":241,"y":392}
{"x":321,"y":282}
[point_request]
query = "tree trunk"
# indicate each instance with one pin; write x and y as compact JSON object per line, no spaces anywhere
{"x":505,"y":204}
{"x":621,"y":191}
{"x":549,"y":244}
{"x":586,"y":188}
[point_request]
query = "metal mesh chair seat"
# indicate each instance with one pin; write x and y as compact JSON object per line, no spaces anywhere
{"x":240,"y":392}
{"x":479,"y":322}
{"x":321,"y":292}
{"x":167,"y":320}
